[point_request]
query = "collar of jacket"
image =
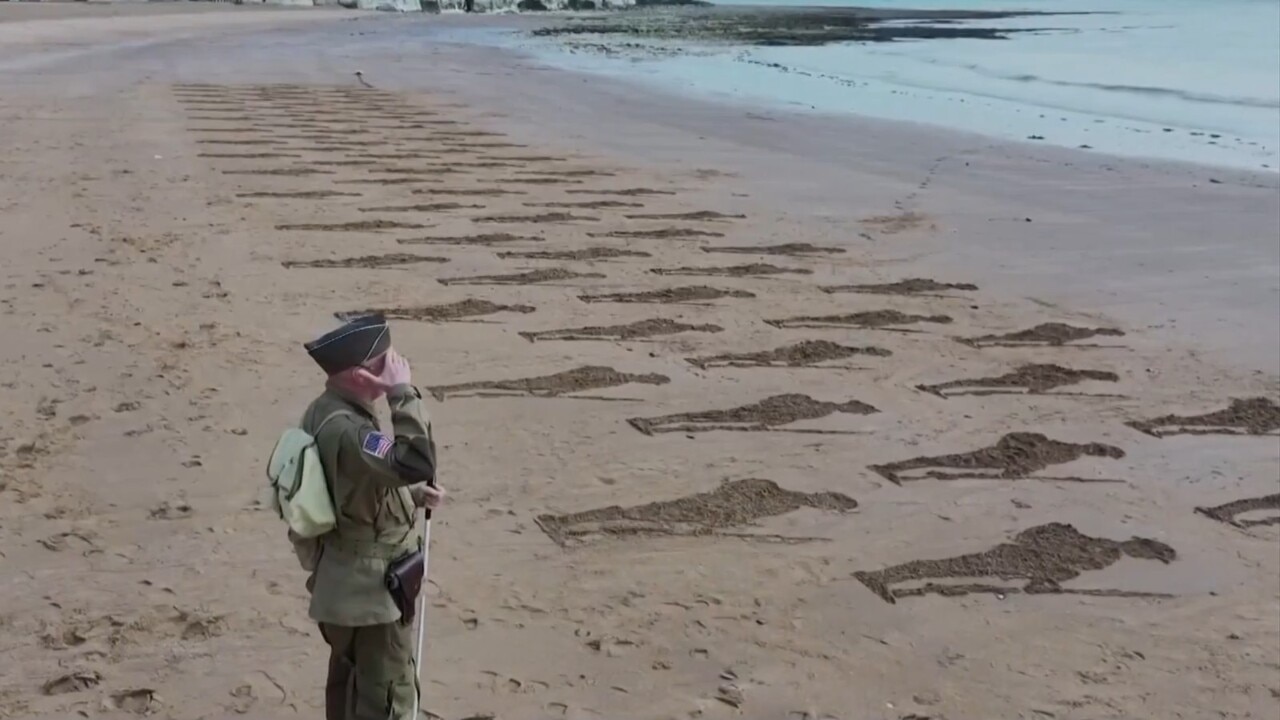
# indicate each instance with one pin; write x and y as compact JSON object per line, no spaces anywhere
{"x":346,"y":399}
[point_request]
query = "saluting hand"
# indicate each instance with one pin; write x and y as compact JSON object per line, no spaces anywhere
{"x":395,"y":371}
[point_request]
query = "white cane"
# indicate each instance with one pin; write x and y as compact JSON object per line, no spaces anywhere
{"x":422,"y":613}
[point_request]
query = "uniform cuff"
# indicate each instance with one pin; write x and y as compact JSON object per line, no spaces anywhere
{"x":400,"y":392}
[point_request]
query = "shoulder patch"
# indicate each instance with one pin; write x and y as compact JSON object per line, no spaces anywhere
{"x":377,"y":444}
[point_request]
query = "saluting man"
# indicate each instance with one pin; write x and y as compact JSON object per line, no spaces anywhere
{"x":377,"y":481}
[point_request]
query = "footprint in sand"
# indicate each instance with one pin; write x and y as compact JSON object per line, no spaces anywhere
{"x":140,"y":701}
{"x":83,"y":540}
{"x":179,"y":510}
{"x":200,"y":625}
{"x":73,"y":682}
{"x":242,"y":699}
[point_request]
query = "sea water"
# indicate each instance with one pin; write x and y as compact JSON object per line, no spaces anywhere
{"x":1191,"y":80}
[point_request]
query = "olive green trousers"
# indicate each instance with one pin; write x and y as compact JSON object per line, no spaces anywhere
{"x":371,"y":672}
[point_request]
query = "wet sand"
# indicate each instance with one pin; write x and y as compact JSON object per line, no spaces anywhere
{"x":744,"y":493}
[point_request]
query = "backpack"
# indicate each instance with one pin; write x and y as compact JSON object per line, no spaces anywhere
{"x":299,"y":491}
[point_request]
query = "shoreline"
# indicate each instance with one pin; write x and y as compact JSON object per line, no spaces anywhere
{"x":722,"y":51}
{"x":197,"y":204}
{"x":906,"y":154}
{"x":946,"y":72}
{"x":447,"y":27}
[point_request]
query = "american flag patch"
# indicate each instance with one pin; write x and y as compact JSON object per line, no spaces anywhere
{"x":377,"y":444}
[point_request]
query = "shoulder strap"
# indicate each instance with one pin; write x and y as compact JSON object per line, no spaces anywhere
{"x":328,"y":482}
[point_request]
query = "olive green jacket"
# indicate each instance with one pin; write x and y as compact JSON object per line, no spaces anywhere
{"x":369,"y":476}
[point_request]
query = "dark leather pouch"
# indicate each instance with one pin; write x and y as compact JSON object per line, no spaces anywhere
{"x":404,"y":582}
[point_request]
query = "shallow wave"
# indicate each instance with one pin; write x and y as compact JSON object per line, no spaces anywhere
{"x":1009,"y":95}
{"x":1265,"y":103}
{"x":1209,"y":98}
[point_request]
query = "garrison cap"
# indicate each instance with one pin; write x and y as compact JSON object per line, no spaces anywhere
{"x":351,"y":345}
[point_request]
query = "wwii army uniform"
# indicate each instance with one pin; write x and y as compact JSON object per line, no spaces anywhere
{"x":371,"y":666}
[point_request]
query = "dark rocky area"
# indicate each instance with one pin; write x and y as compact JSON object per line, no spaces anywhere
{"x":773,"y":26}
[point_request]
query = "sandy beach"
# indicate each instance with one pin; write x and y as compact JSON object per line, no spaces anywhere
{"x":743,"y":414}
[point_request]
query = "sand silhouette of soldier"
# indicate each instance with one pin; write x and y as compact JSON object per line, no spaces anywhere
{"x":1046,"y":334}
{"x":804,"y":354}
{"x":525,"y":278}
{"x":691,"y":294}
{"x":920,"y":287}
{"x":733,"y":504}
{"x":746,"y":270}
{"x":1230,"y":513}
{"x":887,"y":320}
{"x":1028,"y":379}
{"x":695,"y":215}
{"x":639,"y":330}
{"x":590,"y":253}
{"x":588,"y":377}
{"x":1015,"y":456}
{"x":365,"y":261}
{"x":794,"y":249}
{"x":461,"y":311}
{"x":763,"y":416}
{"x":1254,"y":416}
{"x":1045,"y":556}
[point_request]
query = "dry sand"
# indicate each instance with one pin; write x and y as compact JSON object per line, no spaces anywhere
{"x":594,"y":562}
